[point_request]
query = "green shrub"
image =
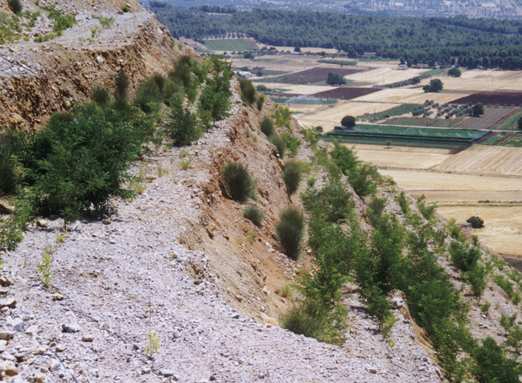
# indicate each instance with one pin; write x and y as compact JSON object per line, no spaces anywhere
{"x":237,"y":182}
{"x":477,"y":279}
{"x":248,"y":91}
{"x":404,"y":204}
{"x":80,"y":160}
{"x":215,"y":100}
{"x":267,"y":127}
{"x":101,"y":96}
{"x":292,"y":143}
{"x":148,"y":96}
{"x":427,"y":210}
{"x":11,"y":148}
{"x":254,"y":215}
{"x":292,"y":175}
{"x":279,"y":145}
{"x":15,"y":6}
{"x":290,"y":231}
{"x":122,"y":87}
{"x":333,"y":203}
{"x":493,"y":365}
{"x":260,"y":102}
{"x":182,"y":125}
{"x":282,"y":117}
{"x":464,"y":257}
{"x":348,"y":122}
{"x":315,"y":319}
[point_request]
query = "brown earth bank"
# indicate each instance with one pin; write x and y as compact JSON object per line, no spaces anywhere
{"x":38,"y":79}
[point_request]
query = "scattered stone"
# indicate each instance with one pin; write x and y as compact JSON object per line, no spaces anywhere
{"x":6,"y":335}
{"x":87,"y":338}
{"x":70,"y":328}
{"x":6,"y":208}
{"x":8,"y":302}
{"x":58,"y":297}
{"x":3,"y":345}
{"x":8,"y":368}
{"x":167,"y":373}
{"x":4,"y":282}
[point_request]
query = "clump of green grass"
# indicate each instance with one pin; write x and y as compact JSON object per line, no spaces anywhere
{"x":292,"y":175}
{"x":254,"y":215}
{"x":290,"y":231}
{"x":237,"y":182}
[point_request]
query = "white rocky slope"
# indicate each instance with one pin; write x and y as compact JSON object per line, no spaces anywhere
{"x":116,"y":282}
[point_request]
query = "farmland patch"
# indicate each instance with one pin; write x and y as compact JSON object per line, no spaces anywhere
{"x":230,"y":45}
{"x":492,"y":98}
{"x":488,"y":160}
{"x":346,"y":93}
{"x":313,"y":75}
{"x":329,"y":117}
{"x":408,"y":136}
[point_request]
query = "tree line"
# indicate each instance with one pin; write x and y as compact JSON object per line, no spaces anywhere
{"x":469,"y":42}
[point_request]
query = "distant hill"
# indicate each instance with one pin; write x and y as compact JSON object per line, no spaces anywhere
{"x":422,"y":8}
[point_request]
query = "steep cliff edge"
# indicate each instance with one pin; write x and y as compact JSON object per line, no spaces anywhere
{"x":39,"y":78}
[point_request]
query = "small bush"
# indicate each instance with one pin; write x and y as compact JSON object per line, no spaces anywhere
{"x":260,"y":102}
{"x":290,"y":231}
{"x":11,"y":146}
{"x":237,"y":182}
{"x":254,"y":215}
{"x":148,"y":96}
{"x":279,"y":145}
{"x":101,"y":96}
{"x":182,"y":124}
{"x":122,"y":87}
{"x":477,"y":279}
{"x":493,"y":365}
{"x":15,"y":6}
{"x":464,"y":257}
{"x":348,"y":122}
{"x":267,"y":127}
{"x":248,"y":91}
{"x":292,"y":143}
{"x":476,"y":222}
{"x":292,"y":175}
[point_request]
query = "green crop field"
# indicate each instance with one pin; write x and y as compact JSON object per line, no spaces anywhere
{"x":231,"y":45}
{"x":408,"y":136}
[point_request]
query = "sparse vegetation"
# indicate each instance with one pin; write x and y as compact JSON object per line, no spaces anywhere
{"x":15,"y":6}
{"x":101,"y":96}
{"x":279,"y":144}
{"x":254,"y":215}
{"x":290,"y":231}
{"x":292,"y":175}
{"x":248,"y":91}
{"x":45,"y":267}
{"x":237,"y":182}
{"x":153,"y":344}
{"x":267,"y":127}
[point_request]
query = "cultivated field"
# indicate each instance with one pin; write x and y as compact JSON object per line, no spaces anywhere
{"x":230,"y":45}
{"x":488,"y":160}
{"x":503,"y":231}
{"x":492,"y":98}
{"x":385,"y":75}
{"x":296,"y":89}
{"x":409,"y":96}
{"x":331,"y":116}
{"x":400,"y":157}
{"x":483,"y":80}
{"x":346,"y":93}
{"x":313,"y":76}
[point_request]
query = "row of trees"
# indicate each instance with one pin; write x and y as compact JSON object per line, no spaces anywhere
{"x":447,"y":41}
{"x":398,"y":256}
